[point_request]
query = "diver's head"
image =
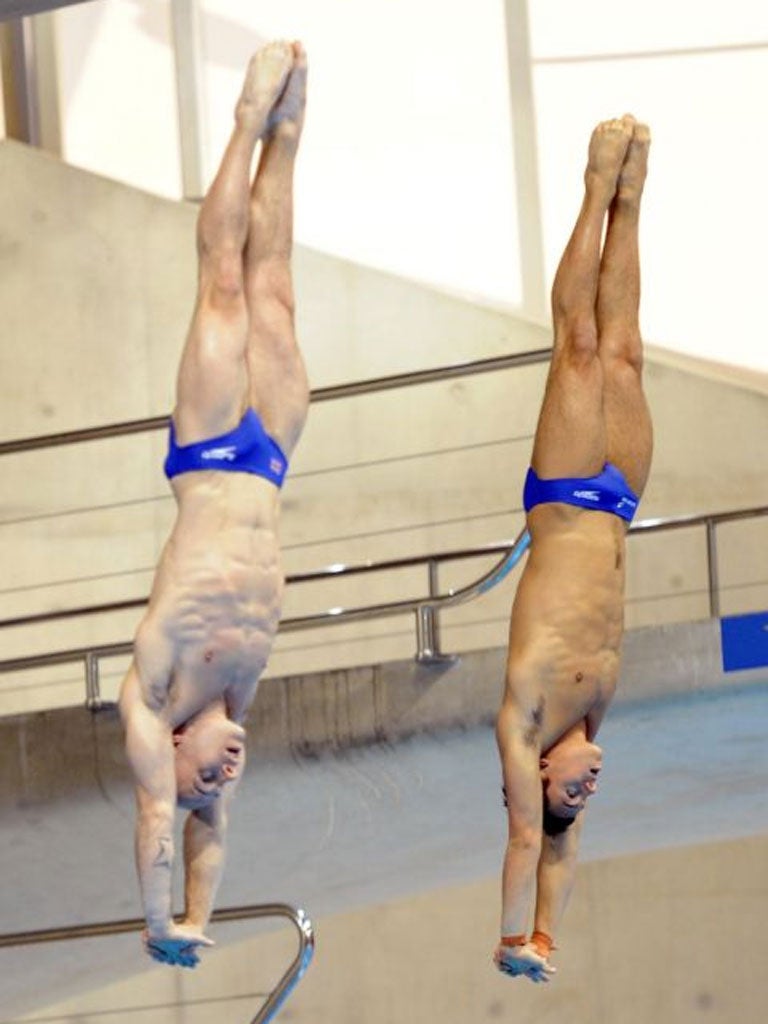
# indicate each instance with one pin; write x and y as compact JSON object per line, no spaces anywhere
{"x":569,"y":773}
{"x":210,"y":753}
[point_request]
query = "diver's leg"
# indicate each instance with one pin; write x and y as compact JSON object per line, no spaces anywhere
{"x":212,"y":379}
{"x":277,"y":380}
{"x":628,"y":421}
{"x":570,"y":436}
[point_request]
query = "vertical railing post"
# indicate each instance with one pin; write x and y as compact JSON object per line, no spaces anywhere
{"x":712,"y":575}
{"x":434,"y":590}
{"x":92,"y":687}
{"x":427,"y":627}
{"x":425,"y":633}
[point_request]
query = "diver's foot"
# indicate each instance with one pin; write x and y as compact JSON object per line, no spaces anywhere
{"x":635,"y":166}
{"x":265,"y":80}
{"x":607,"y":151}
{"x":286,"y":118}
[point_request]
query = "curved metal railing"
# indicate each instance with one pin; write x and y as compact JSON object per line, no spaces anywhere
{"x":276,"y":997}
{"x":425,"y":608}
{"x":315,"y":575}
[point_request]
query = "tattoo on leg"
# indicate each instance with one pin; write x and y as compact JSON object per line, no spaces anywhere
{"x":165,"y":852}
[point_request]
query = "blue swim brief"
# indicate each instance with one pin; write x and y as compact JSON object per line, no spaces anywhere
{"x":606,"y":492}
{"x":246,"y":449}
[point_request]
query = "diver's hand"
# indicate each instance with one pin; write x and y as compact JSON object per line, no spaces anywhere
{"x":176,"y":945}
{"x":523,"y":961}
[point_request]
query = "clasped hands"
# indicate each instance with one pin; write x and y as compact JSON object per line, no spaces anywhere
{"x":517,"y":957}
{"x":176,"y":945}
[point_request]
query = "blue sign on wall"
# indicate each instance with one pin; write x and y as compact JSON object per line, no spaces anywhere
{"x":744,"y":640}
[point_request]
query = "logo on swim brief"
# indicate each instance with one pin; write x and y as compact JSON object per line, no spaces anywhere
{"x":275,"y":466}
{"x":228,"y":453}
{"x":587,"y":495}
{"x":626,"y":502}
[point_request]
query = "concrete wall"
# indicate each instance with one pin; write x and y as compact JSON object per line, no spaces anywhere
{"x":96,"y":283}
{"x":674,"y":937}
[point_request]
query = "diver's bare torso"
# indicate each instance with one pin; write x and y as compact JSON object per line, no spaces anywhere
{"x":216,"y":599}
{"x":567,"y":621}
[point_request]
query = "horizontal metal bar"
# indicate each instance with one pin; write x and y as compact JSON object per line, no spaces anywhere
{"x":513,"y":551}
{"x":71,"y":613}
{"x":313,"y":575}
{"x":409,"y":561}
{"x":135,"y":924}
{"x":277,"y":997}
{"x":497,"y":547}
{"x":66,"y":657}
{"x":334,"y":391}
{"x":440,"y":373}
{"x":702,"y":519}
{"x":28,"y":444}
{"x":350,"y":569}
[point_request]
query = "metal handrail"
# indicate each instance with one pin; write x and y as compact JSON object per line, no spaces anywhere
{"x":710,"y":521}
{"x":279,"y":993}
{"x":333,"y":391}
{"x":311,"y":576}
{"x":349,"y":569}
{"x":425,"y":608}
{"x":699,"y":519}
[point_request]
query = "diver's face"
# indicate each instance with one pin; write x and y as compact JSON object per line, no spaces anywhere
{"x":209,"y":755}
{"x":571,"y":776}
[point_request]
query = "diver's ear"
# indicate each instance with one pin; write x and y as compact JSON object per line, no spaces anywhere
{"x":176,"y":739}
{"x":543,"y":764}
